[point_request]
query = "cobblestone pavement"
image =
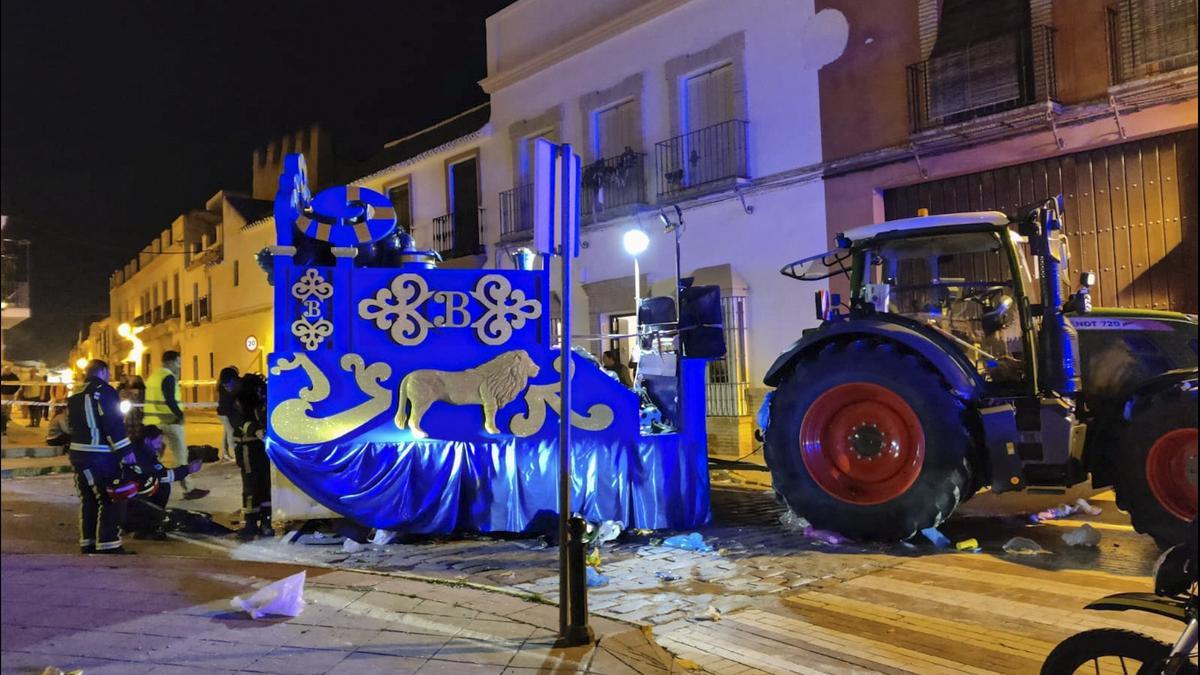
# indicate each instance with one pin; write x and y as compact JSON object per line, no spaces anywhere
{"x":172,"y":616}
{"x":759,"y":569}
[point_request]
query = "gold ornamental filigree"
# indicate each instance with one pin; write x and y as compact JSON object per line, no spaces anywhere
{"x":541,"y":396}
{"x":396,"y":309}
{"x":506,"y":309}
{"x":291,"y":420}
{"x":492,"y":385}
{"x":311,"y":283}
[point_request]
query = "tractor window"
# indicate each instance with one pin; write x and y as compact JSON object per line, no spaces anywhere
{"x":960,"y":284}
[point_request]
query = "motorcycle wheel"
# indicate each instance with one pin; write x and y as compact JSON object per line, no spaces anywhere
{"x":1111,"y":647}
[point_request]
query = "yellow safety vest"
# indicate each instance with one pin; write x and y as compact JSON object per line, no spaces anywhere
{"x":156,"y":410}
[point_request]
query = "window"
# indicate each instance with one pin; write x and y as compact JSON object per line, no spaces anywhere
{"x":614,"y":130}
{"x":729,"y":376}
{"x":195,"y":378}
{"x":708,"y":98}
{"x":457,"y":233}
{"x":401,"y":199}
{"x":235,"y":273}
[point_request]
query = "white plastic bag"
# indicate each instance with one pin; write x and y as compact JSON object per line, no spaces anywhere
{"x":281,"y":598}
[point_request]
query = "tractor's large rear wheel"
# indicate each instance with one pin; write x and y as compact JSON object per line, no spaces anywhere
{"x":1156,"y":478}
{"x":867,"y":441}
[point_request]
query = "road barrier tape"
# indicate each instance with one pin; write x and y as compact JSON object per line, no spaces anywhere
{"x":47,"y":404}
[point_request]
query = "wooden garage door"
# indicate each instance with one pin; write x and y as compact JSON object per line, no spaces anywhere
{"x":1131,"y":214}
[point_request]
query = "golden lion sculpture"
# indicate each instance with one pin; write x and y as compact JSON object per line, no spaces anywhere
{"x":493,"y":385}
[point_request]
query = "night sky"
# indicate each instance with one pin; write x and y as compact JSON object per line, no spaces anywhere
{"x":118,"y":116}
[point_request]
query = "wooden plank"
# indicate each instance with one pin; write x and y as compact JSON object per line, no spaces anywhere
{"x":1177,"y":275}
{"x":1085,"y":220}
{"x":1189,"y":213}
{"x":1155,"y":235}
{"x":1138,"y":243}
{"x":1102,"y":184}
{"x":1122,"y":248}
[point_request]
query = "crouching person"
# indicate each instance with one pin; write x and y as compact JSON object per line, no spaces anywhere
{"x":252,"y":458}
{"x":146,"y":516}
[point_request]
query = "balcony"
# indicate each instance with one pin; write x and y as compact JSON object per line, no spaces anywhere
{"x":705,"y":158}
{"x":157,"y":316}
{"x":1150,"y":37}
{"x":189,"y":314}
{"x":1001,"y":73}
{"x":610,"y":186}
{"x":516,"y":212}
{"x":170,"y":311}
{"x":458,"y":235}
{"x":203,"y":310}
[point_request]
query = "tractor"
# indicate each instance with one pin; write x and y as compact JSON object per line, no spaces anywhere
{"x":961,"y":362}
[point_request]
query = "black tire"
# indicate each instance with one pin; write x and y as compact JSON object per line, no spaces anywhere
{"x":944,"y":477}
{"x":1083,"y":648}
{"x":1151,"y":417}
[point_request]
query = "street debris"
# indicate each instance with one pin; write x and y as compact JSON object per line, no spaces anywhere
{"x":791,"y":521}
{"x":826,"y":536}
{"x":320,"y":539}
{"x":688,"y":542}
{"x":595,"y":579}
{"x":936,"y":537}
{"x":1081,"y":505}
{"x":710,"y":614}
{"x":51,"y":670}
{"x":608,"y":531}
{"x":351,"y":546}
{"x":382,"y":537}
{"x":968,"y":545}
{"x":281,"y":598}
{"x":667,"y":576}
{"x":1023,"y":546}
{"x":593,"y":558}
{"x":1082,"y":536}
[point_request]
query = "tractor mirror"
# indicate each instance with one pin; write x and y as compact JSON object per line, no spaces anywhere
{"x":822,"y":304}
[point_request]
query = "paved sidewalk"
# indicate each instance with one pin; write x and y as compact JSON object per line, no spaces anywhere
{"x":143,"y":614}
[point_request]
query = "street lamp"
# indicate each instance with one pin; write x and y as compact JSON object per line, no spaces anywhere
{"x":636,"y":241}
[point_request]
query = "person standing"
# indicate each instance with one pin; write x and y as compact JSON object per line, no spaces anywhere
{"x":227,"y":383}
{"x":7,"y":393}
{"x":98,"y":449}
{"x":163,"y":395}
{"x":31,"y":394}
{"x":252,"y":458}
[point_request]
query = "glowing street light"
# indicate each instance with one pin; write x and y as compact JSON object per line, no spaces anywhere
{"x":81,"y":363}
{"x":636,"y":241}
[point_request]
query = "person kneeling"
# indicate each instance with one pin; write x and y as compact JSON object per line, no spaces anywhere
{"x":146,"y":516}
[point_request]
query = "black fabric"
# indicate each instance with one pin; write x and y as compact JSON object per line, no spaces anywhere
{"x":168,"y":392}
{"x":106,"y":415}
{"x":148,"y":514}
{"x":965,"y":22}
{"x":225,"y":402}
{"x":99,"y":516}
{"x":255,"y":465}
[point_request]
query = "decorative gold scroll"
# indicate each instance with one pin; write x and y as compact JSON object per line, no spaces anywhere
{"x":541,"y":396}
{"x":291,"y":420}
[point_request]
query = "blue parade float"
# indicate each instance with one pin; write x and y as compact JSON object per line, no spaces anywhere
{"x":424,"y":400}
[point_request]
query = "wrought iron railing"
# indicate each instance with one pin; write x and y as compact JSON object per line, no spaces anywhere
{"x":170,"y":311}
{"x":189,"y":313}
{"x":728,"y":378}
{"x":614,"y":182}
{"x":203,"y":311}
{"x":702,"y":157}
{"x":516,"y":211}
{"x":1001,"y":73}
{"x":1148,"y":37}
{"x":157,"y":315}
{"x":454,"y":237}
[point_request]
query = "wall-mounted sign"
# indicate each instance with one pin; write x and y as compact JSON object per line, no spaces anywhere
{"x":251,"y":343}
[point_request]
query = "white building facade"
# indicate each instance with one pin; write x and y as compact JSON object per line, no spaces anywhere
{"x":708,"y":105}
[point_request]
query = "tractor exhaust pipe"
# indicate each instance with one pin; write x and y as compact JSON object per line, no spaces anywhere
{"x":1058,"y":341}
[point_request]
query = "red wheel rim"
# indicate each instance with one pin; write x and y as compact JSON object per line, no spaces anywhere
{"x":1171,"y":472}
{"x":862,"y":443}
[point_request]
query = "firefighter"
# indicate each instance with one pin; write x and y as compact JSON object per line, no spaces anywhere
{"x":163,"y":396}
{"x":146,"y":516}
{"x":98,"y":451}
{"x":252,"y":458}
